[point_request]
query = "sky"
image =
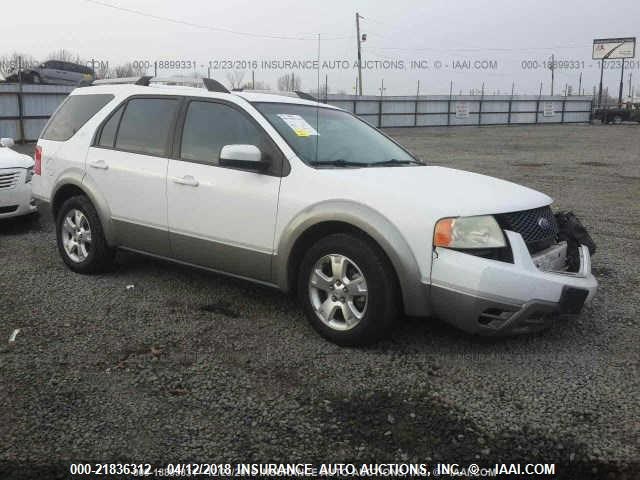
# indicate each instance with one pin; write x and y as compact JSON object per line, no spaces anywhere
{"x":443,"y":45}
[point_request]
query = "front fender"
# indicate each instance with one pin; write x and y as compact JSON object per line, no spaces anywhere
{"x":373,"y":223}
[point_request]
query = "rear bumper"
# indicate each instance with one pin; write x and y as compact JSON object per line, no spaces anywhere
{"x":490,"y":297}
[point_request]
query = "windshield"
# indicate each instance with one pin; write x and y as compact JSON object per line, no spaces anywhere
{"x":333,"y":138}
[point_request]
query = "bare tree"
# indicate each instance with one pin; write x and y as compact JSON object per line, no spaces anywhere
{"x":65,"y":56}
{"x":289,"y":83}
{"x":9,"y":63}
{"x":235,"y":78}
{"x":257,"y":86}
{"x":102,"y":70}
{"x":128,"y":70}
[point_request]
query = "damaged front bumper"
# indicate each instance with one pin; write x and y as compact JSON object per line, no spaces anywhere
{"x":491,"y":297}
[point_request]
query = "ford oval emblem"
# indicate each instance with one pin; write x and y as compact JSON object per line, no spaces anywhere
{"x":544,"y":223}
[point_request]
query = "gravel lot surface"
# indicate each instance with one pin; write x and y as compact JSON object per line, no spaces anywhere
{"x":191,"y":366}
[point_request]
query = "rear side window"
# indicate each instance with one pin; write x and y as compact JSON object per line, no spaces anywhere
{"x":108,"y":135}
{"x":146,"y":125}
{"x":73,"y":114}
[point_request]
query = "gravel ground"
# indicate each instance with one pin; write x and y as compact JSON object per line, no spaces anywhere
{"x":191,"y":366}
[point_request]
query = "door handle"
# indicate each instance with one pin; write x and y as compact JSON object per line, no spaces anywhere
{"x":186,"y":180}
{"x":100,"y":164}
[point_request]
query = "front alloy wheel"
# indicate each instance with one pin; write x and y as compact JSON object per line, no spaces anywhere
{"x":348,"y":289}
{"x":338,"y":292}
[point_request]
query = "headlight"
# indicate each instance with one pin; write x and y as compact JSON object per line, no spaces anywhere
{"x":469,"y":233}
{"x":29,"y":175}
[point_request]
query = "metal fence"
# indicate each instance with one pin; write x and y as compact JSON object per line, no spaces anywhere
{"x":24,"y":109}
{"x":444,"y":110}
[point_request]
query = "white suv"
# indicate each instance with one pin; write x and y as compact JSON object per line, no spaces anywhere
{"x":304,"y":197}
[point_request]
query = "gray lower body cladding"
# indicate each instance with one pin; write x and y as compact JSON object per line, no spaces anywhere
{"x":488,"y":317}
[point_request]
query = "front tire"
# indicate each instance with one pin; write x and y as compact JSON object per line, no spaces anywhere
{"x":348,"y":290}
{"x":80,"y":237}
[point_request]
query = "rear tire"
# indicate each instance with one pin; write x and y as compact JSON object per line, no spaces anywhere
{"x":617,"y":120}
{"x":348,"y":290}
{"x":80,"y":237}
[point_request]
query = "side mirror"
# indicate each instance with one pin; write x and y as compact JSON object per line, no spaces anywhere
{"x":243,"y":156}
{"x":7,"y":142}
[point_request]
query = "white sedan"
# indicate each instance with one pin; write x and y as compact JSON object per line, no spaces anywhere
{"x":16,"y":171}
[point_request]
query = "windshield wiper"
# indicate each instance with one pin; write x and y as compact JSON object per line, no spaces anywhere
{"x":338,"y":163}
{"x":394,"y":161}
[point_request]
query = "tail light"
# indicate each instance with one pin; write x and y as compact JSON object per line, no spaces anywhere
{"x":37,"y":157}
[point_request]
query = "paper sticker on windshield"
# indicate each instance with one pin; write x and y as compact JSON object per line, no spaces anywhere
{"x":298,"y":124}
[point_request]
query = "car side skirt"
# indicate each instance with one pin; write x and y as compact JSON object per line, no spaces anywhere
{"x":236,"y":260}
{"x":204,"y":253}
{"x":200,"y":267}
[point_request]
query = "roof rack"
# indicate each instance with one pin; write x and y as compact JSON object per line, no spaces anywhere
{"x":144,"y":81}
{"x":296,"y":93}
{"x":209,"y":83}
{"x":306,"y":96}
{"x":214,"y":86}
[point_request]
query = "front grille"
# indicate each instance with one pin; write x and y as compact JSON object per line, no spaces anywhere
{"x":9,"y":179}
{"x":8,"y":209}
{"x":538,"y":227}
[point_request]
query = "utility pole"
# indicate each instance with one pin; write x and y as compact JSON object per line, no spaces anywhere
{"x":358,"y":17}
{"x":326,"y":87}
{"x":382,"y":89}
{"x":630,"y":94}
{"x":601,"y":75}
{"x":253,"y":79}
{"x":580,"y":84}
{"x":621,"y":82}
{"x":552,"y":66}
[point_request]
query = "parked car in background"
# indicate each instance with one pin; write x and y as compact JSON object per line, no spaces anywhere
{"x":16,"y":172}
{"x":629,"y":112}
{"x":308,"y":198}
{"x":56,"y":72}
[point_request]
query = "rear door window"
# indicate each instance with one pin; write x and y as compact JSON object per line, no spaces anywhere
{"x":146,"y":126}
{"x":73,"y":114}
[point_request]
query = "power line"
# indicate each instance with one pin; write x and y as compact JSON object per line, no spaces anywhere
{"x":312,"y":36}
{"x":480,"y":49}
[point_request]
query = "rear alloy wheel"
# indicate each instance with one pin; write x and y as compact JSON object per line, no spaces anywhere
{"x":81,"y":240}
{"x":76,"y":235}
{"x":348,"y":289}
{"x":617,"y":120}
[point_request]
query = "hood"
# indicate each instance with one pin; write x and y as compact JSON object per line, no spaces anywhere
{"x":445,"y":191}
{"x":11,"y":159}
